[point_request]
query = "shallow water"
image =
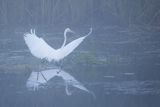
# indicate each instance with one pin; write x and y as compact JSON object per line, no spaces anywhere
{"x":117,"y":93}
{"x":121,"y":68}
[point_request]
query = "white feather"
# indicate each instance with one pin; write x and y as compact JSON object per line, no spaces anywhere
{"x":40,"y":49}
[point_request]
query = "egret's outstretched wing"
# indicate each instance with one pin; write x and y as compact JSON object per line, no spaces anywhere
{"x":38,"y":47}
{"x":70,"y":47}
{"x":73,"y":45}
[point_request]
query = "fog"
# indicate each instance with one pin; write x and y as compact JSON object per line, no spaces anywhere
{"x":119,"y":62}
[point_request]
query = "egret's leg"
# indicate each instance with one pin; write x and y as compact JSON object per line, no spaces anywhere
{"x":60,"y":66}
{"x":37,"y":75}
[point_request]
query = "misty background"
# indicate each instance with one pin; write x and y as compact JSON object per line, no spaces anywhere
{"x":77,"y":13}
{"x":119,"y":61}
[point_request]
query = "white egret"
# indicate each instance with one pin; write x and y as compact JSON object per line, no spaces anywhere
{"x":40,"y":49}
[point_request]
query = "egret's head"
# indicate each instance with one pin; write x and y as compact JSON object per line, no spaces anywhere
{"x":69,"y":30}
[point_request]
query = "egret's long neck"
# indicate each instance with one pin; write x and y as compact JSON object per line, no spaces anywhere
{"x":65,"y":38}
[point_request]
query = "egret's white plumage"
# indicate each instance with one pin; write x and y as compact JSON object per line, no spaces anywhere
{"x":40,"y":49}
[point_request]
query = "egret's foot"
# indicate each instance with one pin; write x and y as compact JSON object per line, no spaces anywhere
{"x":43,"y":63}
{"x":58,"y":71}
{"x":60,"y":67}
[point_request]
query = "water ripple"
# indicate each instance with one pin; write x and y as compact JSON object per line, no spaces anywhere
{"x":132,"y":87}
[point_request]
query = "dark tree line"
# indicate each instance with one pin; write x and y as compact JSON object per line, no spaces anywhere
{"x":79,"y":12}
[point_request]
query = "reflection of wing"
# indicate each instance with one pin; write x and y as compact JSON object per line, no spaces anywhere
{"x":38,"y":47}
{"x":34,"y":84}
{"x":70,"y":80}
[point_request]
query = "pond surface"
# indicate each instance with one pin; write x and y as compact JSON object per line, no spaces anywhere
{"x":120,"y":66}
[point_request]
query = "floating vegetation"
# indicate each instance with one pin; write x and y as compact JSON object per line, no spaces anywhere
{"x":93,"y":59}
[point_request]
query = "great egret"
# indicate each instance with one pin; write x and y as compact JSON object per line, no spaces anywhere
{"x":40,"y":49}
{"x":34,"y":84}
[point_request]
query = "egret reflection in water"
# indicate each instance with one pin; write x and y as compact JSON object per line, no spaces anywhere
{"x":34,"y":84}
{"x":40,"y":49}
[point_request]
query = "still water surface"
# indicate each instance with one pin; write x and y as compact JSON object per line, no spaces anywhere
{"x":120,"y":67}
